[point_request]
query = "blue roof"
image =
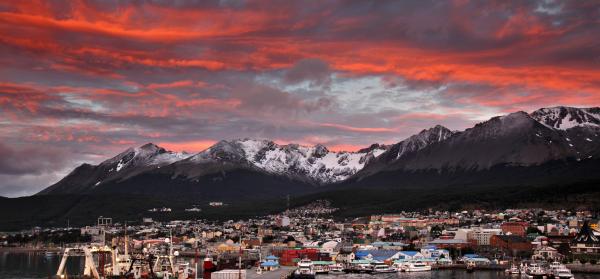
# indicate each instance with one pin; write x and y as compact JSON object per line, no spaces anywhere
{"x":378,"y":255}
{"x":430,"y":247}
{"x":269,"y":263}
{"x":382,"y":255}
{"x":271,"y":257}
{"x":361,"y":253}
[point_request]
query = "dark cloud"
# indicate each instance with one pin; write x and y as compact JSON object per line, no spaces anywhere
{"x":314,"y":71}
{"x":31,"y":160}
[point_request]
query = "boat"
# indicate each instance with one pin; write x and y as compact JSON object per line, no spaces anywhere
{"x":305,"y":269}
{"x":383,"y":268}
{"x":560,"y":271}
{"x":362,"y":267}
{"x":513,"y":270}
{"x":415,"y":266}
{"x":50,"y":254}
{"x":336,"y":269}
{"x":534,"y":270}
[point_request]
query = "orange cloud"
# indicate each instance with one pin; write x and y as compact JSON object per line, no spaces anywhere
{"x":188,"y":146}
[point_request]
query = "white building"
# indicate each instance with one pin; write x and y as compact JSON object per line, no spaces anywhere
{"x":483,"y":236}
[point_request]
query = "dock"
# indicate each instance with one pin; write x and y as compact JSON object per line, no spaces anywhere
{"x":282,"y":273}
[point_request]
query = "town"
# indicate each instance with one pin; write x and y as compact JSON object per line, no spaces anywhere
{"x":307,"y":241}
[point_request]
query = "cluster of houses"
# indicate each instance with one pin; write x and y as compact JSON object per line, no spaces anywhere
{"x":431,"y":236}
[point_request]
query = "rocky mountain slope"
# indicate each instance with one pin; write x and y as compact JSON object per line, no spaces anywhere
{"x":548,"y":135}
{"x":565,"y":136}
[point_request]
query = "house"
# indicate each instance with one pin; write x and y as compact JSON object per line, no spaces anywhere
{"x":476,"y":259}
{"x":377,"y":255}
{"x":431,"y":251}
{"x":389,"y":245}
{"x":586,"y":242}
{"x":547,"y":253}
{"x":512,"y":244}
{"x":410,"y":255}
{"x":344,"y":257}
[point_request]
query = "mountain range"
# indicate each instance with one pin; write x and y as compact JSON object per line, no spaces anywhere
{"x":548,"y":149}
{"x":560,"y":134}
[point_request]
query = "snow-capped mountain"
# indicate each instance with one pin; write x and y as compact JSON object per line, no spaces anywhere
{"x":129,"y":163}
{"x":517,"y":140}
{"x":415,"y":143}
{"x":313,"y":162}
{"x":567,"y":117}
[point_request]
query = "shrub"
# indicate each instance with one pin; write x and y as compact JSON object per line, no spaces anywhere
{"x":593,"y":261}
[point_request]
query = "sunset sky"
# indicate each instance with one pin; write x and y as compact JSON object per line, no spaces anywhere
{"x":81,"y":81}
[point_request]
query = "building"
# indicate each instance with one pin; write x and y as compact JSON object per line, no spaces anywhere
{"x":511,"y":244}
{"x":547,"y":253}
{"x":482,"y":236}
{"x":431,"y":251}
{"x":586,"y":241}
{"x":515,"y":228}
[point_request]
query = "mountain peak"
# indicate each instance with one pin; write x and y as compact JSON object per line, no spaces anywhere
{"x":426,"y":137}
{"x":564,"y":118}
{"x":150,"y":146}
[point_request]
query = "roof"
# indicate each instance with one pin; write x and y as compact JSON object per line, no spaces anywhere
{"x":269,"y":263}
{"x":586,"y":235}
{"x":380,"y":255}
{"x":271,"y":257}
{"x":472,"y":256}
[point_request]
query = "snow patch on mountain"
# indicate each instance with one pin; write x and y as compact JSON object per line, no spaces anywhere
{"x":144,"y":156}
{"x":564,"y":118}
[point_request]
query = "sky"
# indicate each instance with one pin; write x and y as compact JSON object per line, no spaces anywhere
{"x":81,"y":81}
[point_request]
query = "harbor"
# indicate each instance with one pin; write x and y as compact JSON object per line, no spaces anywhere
{"x":36,"y":266}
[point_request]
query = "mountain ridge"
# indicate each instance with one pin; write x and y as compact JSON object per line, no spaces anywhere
{"x":514,"y":139}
